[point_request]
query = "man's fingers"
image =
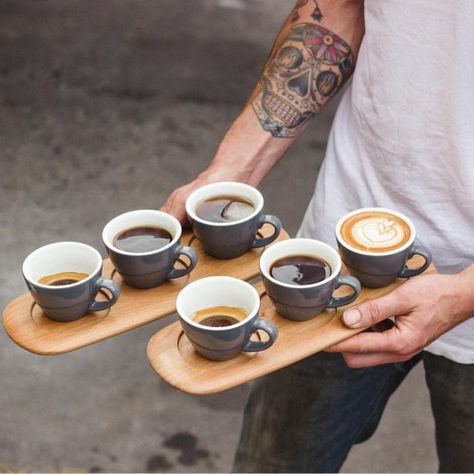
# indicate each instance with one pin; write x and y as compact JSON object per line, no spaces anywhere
{"x":357,"y":361}
{"x":367,"y":342}
{"x":175,"y":205}
{"x":372,"y":312}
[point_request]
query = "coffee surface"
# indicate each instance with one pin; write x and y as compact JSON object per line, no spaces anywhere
{"x":142,"y":239}
{"x":300,"y":270}
{"x":225,"y":209}
{"x":219,"y":316}
{"x":375,"y":231}
{"x":63,"y":278}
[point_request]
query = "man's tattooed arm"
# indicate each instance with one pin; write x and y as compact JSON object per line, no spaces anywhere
{"x":307,"y":66}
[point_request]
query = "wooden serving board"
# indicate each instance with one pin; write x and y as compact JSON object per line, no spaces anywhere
{"x":28,"y":327}
{"x":173,"y":357}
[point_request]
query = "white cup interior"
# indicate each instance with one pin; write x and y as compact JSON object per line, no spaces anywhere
{"x":307,"y":247}
{"x":61,"y":257}
{"x":223,"y":189}
{"x":375,"y":209}
{"x":217,"y":291}
{"x":144,"y":217}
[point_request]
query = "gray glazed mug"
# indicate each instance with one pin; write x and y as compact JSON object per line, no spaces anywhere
{"x":230,"y":239}
{"x":303,"y":302}
{"x":147,"y":269}
{"x":222,"y":343}
{"x":378,"y":269}
{"x":68,"y":302}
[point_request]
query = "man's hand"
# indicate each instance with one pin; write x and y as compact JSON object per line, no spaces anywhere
{"x":424,"y":308}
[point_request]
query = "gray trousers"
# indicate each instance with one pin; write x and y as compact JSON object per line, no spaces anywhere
{"x":306,"y":417}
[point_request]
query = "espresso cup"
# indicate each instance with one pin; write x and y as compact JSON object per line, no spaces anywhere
{"x":147,"y":269}
{"x":222,"y":343}
{"x":230,"y":239}
{"x":71,"y":301}
{"x":375,"y":244}
{"x":303,"y":302}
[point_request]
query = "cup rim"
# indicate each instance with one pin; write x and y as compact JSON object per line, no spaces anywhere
{"x":182,"y":314}
{"x":109,"y":242}
{"x":334,"y":272}
{"x":71,"y":285}
{"x":371,"y":209}
{"x":208,"y":187}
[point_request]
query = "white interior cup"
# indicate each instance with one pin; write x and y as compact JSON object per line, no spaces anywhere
{"x":141,"y":218}
{"x":217,"y":291}
{"x":61,"y":257}
{"x":300,"y":246}
{"x":232,"y":189}
{"x":376,"y":209}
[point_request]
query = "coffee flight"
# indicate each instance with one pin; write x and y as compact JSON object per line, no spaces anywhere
{"x":299,"y":275}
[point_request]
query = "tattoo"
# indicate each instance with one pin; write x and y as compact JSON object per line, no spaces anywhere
{"x":306,"y":69}
{"x":316,"y":15}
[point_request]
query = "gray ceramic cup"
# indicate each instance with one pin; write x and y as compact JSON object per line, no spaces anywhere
{"x":147,"y":269}
{"x":222,"y":343}
{"x":303,"y":302}
{"x":375,"y":270}
{"x":68,"y":302}
{"x":230,"y":239}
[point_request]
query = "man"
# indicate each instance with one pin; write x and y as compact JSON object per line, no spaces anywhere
{"x":402,"y":138}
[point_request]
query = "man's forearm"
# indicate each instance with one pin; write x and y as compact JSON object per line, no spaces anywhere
{"x":313,"y":56}
{"x":465,"y":289}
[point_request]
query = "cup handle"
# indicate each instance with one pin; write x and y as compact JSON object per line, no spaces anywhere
{"x":114,"y":291}
{"x":257,"y":346}
{"x":416,"y":249}
{"x":343,"y":300}
{"x":275,"y":223}
{"x":188,"y":252}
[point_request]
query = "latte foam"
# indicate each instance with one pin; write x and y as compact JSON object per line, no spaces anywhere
{"x":375,"y":231}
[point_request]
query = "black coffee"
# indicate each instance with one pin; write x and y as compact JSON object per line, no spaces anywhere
{"x":142,"y":239}
{"x":300,"y":270}
{"x":219,"y":321}
{"x":225,"y":209}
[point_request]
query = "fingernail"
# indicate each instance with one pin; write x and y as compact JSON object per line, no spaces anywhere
{"x":351,"y":317}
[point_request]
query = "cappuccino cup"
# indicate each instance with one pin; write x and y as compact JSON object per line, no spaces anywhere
{"x":139,"y":266}
{"x":230,"y":230}
{"x":64,"y":279}
{"x":236,"y":300}
{"x":297,"y":300}
{"x":375,"y":244}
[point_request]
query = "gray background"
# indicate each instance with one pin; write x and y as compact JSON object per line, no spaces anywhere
{"x":107,"y":106}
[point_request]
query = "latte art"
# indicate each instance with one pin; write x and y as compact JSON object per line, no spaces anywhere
{"x":375,"y":231}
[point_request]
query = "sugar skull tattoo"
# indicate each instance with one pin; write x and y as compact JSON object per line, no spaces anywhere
{"x":303,"y":73}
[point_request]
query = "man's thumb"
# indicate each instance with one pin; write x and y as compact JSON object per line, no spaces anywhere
{"x":371,"y":312}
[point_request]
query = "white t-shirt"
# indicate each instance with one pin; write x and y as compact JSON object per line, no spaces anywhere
{"x":403,"y":137}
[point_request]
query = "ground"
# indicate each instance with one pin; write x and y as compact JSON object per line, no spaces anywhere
{"x":106,"y":107}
